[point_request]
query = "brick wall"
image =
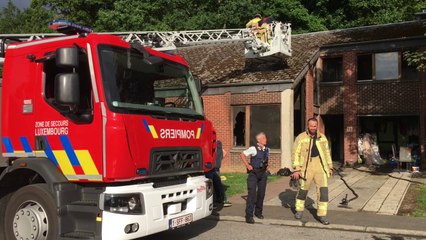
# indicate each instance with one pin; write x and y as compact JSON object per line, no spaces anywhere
{"x":218,"y":109}
{"x":331,"y":99}
{"x":311,"y":109}
{"x":350,"y":103}
{"x":262,"y":97}
{"x":309,"y":88}
{"x":388,"y":97}
{"x":236,"y":165}
{"x":352,"y":98}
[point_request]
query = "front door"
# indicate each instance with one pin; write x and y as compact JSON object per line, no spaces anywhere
{"x":71,"y":137}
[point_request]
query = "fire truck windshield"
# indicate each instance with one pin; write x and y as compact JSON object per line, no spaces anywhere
{"x":133,"y":84}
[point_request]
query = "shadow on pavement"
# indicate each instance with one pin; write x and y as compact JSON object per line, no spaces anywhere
{"x":386,"y":170}
{"x":388,"y":238}
{"x":288,"y":200}
{"x":190,"y":231}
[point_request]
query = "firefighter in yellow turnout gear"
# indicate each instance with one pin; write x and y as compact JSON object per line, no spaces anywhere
{"x":312,"y":162}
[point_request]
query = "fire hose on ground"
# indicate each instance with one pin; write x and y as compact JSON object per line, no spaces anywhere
{"x":294,"y":183}
{"x":345,"y":201}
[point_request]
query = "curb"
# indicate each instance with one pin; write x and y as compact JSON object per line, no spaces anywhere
{"x":342,"y":227}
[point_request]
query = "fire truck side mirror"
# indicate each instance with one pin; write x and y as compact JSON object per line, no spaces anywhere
{"x":67,"y":57}
{"x":67,"y":89}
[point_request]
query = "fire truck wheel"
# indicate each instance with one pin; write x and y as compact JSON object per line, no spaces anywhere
{"x":3,"y":204}
{"x":31,"y":214}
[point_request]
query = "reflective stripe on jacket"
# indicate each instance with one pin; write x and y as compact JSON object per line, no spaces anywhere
{"x":302,"y":151}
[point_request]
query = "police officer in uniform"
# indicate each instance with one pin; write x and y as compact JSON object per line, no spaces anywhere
{"x":257,"y":176}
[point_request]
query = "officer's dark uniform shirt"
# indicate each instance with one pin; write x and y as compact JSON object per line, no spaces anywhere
{"x":256,"y":159}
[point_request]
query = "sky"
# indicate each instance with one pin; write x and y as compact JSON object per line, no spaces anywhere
{"x":19,"y":3}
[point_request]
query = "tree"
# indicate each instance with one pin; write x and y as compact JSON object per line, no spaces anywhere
{"x":351,"y":13}
{"x":37,"y":18}
{"x":84,"y":12}
{"x":10,"y":19}
{"x":168,"y":15}
{"x":416,"y":59}
{"x":294,"y":12}
{"x":31,"y":20}
{"x":162,"y":15}
{"x":138,"y":15}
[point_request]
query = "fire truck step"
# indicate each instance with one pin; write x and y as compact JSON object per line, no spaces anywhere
{"x":78,"y":220}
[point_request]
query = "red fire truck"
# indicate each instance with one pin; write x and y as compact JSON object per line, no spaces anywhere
{"x":101,"y":139}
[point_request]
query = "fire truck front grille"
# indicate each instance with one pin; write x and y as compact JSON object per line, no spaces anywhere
{"x":170,"y":161}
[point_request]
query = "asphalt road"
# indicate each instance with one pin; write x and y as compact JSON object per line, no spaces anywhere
{"x":211,"y":229}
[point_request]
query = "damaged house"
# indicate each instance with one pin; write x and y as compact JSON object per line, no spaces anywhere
{"x":355,"y":81}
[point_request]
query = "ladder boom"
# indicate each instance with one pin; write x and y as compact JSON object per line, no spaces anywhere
{"x":170,"y":40}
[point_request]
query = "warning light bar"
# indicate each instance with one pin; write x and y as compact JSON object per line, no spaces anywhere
{"x":69,"y":28}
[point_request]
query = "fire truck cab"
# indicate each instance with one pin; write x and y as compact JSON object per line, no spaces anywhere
{"x":101,"y":139}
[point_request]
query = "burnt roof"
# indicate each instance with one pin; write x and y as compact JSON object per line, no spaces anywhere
{"x":224,"y":63}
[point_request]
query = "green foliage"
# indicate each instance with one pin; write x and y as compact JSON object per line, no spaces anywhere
{"x":294,"y":12}
{"x":236,"y":183}
{"x":351,"y":13}
{"x":84,"y":12}
{"x":10,"y":19}
{"x":31,"y":20}
{"x":137,"y":15}
{"x":421,"y":203}
{"x":416,"y":59}
{"x":36,"y":18}
{"x":144,"y":15}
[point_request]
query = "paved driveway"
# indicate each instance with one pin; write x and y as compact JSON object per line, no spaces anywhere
{"x":380,"y":193}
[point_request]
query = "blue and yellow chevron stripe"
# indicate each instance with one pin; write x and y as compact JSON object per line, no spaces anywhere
{"x":76,"y":165}
{"x":150,"y":129}
{"x":199,"y":131}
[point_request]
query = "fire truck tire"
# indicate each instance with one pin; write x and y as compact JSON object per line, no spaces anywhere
{"x":31,"y":214}
{"x":3,"y":204}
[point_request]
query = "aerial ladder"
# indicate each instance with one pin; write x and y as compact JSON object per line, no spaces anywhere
{"x":278,"y":45}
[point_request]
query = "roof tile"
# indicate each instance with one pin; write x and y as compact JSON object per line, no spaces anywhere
{"x":224,"y":63}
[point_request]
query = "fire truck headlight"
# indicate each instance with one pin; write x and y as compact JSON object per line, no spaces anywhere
{"x":209,"y":189}
{"x":122,"y":203}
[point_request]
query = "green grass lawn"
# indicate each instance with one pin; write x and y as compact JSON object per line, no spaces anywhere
{"x":236,"y":183}
{"x":421,"y":203}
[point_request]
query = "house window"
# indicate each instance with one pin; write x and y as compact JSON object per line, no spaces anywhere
{"x":365,"y":67}
{"x":378,"y":66}
{"x":239,"y":114}
{"x":251,"y":120}
{"x":83,"y":113}
{"x":386,"y":65}
{"x":332,"y":69}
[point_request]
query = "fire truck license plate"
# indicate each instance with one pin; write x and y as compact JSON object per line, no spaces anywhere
{"x":180,"y":221}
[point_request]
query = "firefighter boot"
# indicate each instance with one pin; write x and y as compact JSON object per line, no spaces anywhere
{"x":298,"y":215}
